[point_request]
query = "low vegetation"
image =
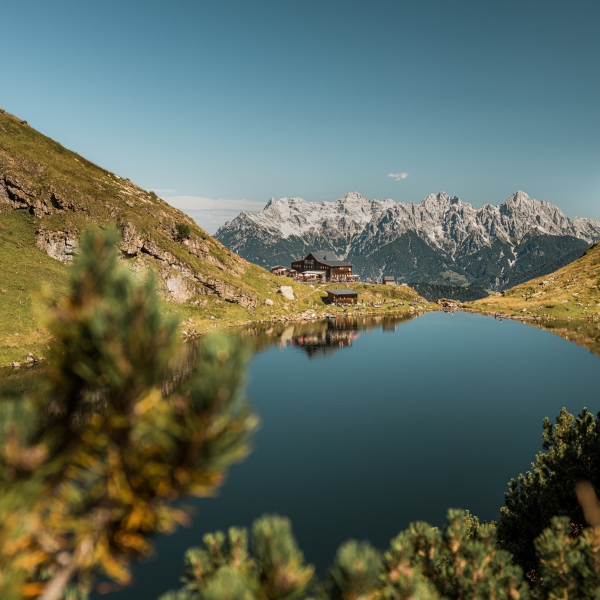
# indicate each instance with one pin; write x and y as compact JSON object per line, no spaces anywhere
{"x":572,"y":292}
{"x":92,"y":458}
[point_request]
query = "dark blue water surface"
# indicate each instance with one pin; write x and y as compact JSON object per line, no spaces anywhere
{"x":364,"y":431}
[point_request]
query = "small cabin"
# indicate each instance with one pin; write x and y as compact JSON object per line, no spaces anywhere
{"x":388,"y":280}
{"x":339,"y":297}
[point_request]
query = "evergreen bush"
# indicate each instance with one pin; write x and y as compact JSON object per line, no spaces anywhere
{"x":571,"y":453}
{"x":91,"y":461}
{"x":183,"y":231}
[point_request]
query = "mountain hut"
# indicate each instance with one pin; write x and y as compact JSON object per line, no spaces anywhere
{"x":326,"y":262}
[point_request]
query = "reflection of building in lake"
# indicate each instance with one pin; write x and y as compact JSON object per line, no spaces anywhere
{"x":325,"y":342}
{"x":340,"y":333}
{"x":389,"y":325}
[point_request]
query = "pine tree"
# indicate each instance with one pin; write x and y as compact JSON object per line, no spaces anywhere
{"x":571,"y":453}
{"x":91,"y":461}
{"x":272,"y":568}
{"x":569,"y":562}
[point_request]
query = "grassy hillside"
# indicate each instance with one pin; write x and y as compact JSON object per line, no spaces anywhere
{"x":49,"y":195}
{"x":572,"y":292}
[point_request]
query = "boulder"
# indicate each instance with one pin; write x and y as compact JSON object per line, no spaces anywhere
{"x":269,"y":302}
{"x":448,"y":304}
{"x":287,"y":291}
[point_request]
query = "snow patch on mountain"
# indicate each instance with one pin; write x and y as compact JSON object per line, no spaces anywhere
{"x":458,"y":243}
{"x":445,"y":222}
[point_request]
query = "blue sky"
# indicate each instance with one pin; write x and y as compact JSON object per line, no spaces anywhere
{"x":223,"y":104}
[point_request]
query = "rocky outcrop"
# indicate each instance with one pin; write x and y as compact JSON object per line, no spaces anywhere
{"x":60,"y":245}
{"x":178,"y":282}
{"x":19,"y":196}
{"x":448,"y":304}
{"x":179,"y":289}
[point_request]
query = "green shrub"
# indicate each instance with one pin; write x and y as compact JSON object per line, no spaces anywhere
{"x":226,"y":568}
{"x":571,"y":453}
{"x":183,"y":231}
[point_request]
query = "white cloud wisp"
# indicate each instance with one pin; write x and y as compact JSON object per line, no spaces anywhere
{"x":398,"y":176}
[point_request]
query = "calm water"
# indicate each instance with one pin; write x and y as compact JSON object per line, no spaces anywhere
{"x":367,"y":429}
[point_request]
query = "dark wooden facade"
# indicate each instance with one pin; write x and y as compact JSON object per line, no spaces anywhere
{"x":338,"y":297}
{"x":334,"y":269}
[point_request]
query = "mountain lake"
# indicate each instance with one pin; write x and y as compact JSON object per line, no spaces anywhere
{"x":370,"y":424}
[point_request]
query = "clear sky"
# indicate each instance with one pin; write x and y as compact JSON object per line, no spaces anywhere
{"x":221,"y":105}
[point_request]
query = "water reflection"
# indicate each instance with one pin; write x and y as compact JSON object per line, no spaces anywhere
{"x":583,"y":333}
{"x":320,"y":338}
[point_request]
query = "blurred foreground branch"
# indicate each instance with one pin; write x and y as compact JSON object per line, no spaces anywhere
{"x":91,"y":461}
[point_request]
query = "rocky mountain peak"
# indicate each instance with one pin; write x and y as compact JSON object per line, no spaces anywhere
{"x":518,"y":197}
{"x":353,"y":196}
{"x":359,"y":229}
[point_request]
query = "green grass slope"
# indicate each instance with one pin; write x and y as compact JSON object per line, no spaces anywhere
{"x":572,"y":292}
{"x":49,"y":195}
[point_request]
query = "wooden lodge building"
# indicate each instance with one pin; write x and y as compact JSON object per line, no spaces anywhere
{"x":327,"y":264}
{"x":338,"y":297}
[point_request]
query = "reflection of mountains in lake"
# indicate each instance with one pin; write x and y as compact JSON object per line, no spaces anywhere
{"x":325,"y":337}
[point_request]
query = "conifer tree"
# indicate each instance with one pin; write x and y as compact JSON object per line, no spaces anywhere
{"x":569,"y":564}
{"x":271,"y":568}
{"x":91,"y":461}
{"x":571,"y":453}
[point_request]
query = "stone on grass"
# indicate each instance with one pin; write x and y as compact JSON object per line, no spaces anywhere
{"x":287,"y":291}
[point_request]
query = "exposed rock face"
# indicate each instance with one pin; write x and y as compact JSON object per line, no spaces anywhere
{"x":441,"y":240}
{"x":177,"y":280}
{"x":73,"y":194}
{"x":179,"y":289}
{"x":61,"y":245}
{"x":448,"y":304}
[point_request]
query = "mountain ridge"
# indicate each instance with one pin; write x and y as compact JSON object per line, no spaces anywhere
{"x":378,"y":236}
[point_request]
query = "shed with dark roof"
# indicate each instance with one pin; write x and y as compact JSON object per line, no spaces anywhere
{"x":342,"y":296}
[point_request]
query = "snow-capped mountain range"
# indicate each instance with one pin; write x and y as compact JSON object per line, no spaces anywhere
{"x":439,"y":240}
